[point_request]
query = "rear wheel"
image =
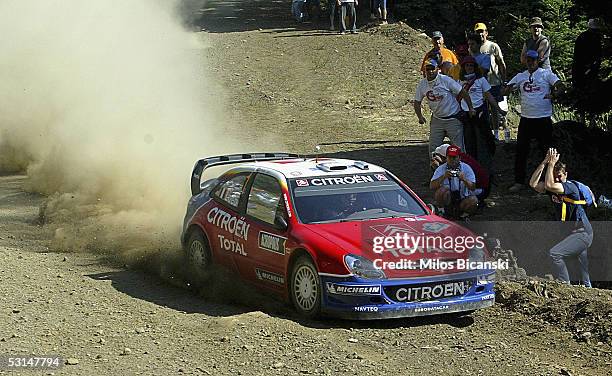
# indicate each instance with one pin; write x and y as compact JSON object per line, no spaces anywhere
{"x":199,"y":258}
{"x":305,"y":287}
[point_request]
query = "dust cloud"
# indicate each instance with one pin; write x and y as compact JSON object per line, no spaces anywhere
{"x":106,"y":105}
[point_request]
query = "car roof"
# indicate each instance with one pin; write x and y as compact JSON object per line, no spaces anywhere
{"x":300,"y":168}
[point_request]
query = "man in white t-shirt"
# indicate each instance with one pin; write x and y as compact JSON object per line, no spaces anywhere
{"x":441,"y":92}
{"x":454,"y":183}
{"x":537,"y":86}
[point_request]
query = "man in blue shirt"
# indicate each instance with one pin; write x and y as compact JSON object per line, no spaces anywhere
{"x":580,"y":237}
{"x":483,"y":60}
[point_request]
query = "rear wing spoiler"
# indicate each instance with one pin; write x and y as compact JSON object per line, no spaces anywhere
{"x":220,"y":160}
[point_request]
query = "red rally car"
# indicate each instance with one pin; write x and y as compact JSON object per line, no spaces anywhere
{"x":333,"y":236}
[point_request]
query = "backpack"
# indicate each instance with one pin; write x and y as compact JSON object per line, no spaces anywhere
{"x":587,"y":198}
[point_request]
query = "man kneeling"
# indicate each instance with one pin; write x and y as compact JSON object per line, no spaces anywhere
{"x":483,"y":178}
{"x":454,"y":183}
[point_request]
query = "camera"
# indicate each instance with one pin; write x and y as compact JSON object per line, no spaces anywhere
{"x":604,"y":202}
{"x":454,"y":172}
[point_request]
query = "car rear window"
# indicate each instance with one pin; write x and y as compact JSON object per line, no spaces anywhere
{"x":323,"y":199}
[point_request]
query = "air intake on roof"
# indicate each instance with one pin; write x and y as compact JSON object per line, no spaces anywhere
{"x":334,"y":166}
{"x":361,"y":165}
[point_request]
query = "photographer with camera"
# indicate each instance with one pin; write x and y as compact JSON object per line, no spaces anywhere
{"x":483,"y":179}
{"x":454,"y":183}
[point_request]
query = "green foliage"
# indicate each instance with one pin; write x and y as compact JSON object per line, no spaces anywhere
{"x":507,"y":21}
{"x":508,"y":24}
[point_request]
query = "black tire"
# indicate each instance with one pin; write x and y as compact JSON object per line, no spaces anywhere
{"x":305,"y":288}
{"x":198,"y":258}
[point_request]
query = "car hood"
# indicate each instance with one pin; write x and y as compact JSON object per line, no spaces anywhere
{"x":422,"y":243}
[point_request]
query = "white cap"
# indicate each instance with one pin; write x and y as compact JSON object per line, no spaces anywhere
{"x":442,"y":149}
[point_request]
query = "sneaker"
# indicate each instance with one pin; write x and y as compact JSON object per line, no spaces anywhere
{"x":343,"y":33}
{"x":353,"y":31}
{"x":384,"y":22}
{"x":516,"y":187}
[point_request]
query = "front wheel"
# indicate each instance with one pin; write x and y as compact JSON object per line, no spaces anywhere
{"x":305,"y":287}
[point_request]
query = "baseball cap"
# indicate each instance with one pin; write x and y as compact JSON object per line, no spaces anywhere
{"x":480,"y":26}
{"x":536,"y":21}
{"x":436,"y":34}
{"x":532,"y":54}
{"x":441,"y":150}
{"x":432,"y":62}
{"x":453,"y":151}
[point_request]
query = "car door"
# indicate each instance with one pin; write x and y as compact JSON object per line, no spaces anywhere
{"x":227,"y":228}
{"x":265,"y":264}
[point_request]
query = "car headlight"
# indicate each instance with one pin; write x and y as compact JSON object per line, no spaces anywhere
{"x":478,"y":254}
{"x":363,"y":267}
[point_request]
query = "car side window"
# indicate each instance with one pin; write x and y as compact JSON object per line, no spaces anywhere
{"x":230,"y":190}
{"x":265,"y":197}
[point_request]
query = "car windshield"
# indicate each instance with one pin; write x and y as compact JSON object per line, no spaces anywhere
{"x":341,"y":198}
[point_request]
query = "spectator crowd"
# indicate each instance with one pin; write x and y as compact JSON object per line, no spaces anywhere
{"x":345,"y":11}
{"x":466,"y":90}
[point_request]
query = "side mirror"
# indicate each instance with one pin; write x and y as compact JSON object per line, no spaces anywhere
{"x":281,"y":222}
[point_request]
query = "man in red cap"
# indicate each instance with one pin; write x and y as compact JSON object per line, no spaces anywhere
{"x":454,"y":183}
{"x":483,"y":179}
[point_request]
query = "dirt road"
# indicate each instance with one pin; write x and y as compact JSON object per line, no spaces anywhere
{"x":291,"y":87}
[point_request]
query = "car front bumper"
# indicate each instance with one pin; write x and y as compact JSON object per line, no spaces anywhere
{"x":357,"y":298}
